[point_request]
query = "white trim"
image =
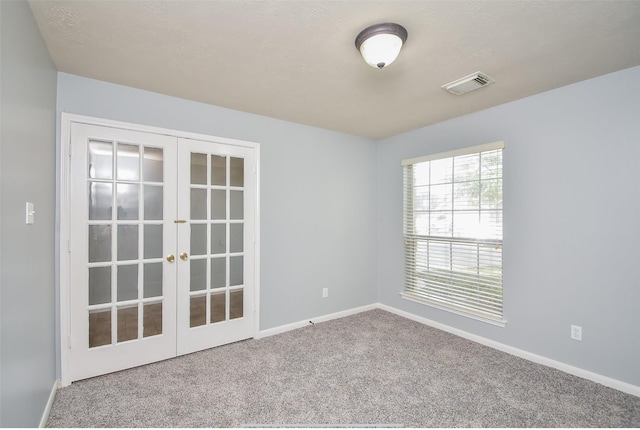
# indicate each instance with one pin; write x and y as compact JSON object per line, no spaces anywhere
{"x":64,"y":249}
{"x":256,"y":247}
{"x":455,"y":153}
{"x":47,"y":409}
{"x":68,"y":118}
{"x":576,"y":371}
{"x":535,"y":358}
{"x":296,"y":325}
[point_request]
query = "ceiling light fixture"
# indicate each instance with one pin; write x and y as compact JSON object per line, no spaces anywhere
{"x":380,"y":44}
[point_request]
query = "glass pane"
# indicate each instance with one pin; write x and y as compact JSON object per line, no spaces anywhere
{"x":218,"y":307}
{"x":441,"y":171}
{"x":99,"y":328}
{"x":421,"y":198}
{"x":198,"y":239}
{"x":421,"y":174}
{"x":198,"y":275}
{"x":127,"y":242}
{"x":152,"y":286}
{"x":218,"y":238}
{"x":152,"y":241}
{"x":237,"y":172}
{"x":218,"y":204}
{"x":441,"y":224}
{"x":236,"y":237}
{"x":99,"y":285}
{"x":467,"y":225}
{"x":236,"y":204}
{"x":153,"y":202}
{"x":127,"y":282}
{"x":127,"y":323}
{"x":199,"y":169}
{"x":236,"y":270}
{"x":128,"y":162}
{"x":218,"y":272}
{"x":441,"y":197}
{"x":198,"y":203}
{"x":491,"y":194}
{"x":100,"y":201}
{"x":466,"y":195}
{"x":491,"y":224}
{"x":421,"y":224}
{"x":218,"y":170}
{"x":198,"y":311}
{"x":127,"y":200}
{"x":153,"y":164}
{"x":100,"y":160}
{"x":99,"y":243}
{"x":466,"y":168}
{"x":236,"y":304}
{"x":152,"y":322}
{"x":491,"y":164}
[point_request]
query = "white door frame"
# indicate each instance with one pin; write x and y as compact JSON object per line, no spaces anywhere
{"x":64,"y":274}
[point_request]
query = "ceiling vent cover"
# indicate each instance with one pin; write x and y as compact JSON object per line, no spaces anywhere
{"x":468,"y":83}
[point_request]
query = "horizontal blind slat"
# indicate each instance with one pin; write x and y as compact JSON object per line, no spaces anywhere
{"x":488,"y":311}
{"x":436,"y":287}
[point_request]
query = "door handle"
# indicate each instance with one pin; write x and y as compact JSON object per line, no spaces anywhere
{"x":171,"y":258}
{"x":184,"y":256}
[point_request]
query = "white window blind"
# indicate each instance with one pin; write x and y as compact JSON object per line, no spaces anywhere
{"x":453,"y":231}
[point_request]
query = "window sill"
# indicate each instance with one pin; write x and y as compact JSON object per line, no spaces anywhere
{"x":497,"y":321}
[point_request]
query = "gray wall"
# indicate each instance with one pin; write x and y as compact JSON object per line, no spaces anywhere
{"x":317,"y":195}
{"x":571,"y":220}
{"x":27,"y":169}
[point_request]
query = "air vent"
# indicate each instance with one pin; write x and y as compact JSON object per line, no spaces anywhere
{"x":468,"y":83}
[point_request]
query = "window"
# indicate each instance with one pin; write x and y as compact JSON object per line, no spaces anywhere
{"x":453,"y":231}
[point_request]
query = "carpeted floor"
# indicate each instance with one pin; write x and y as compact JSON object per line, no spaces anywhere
{"x":370,"y":369}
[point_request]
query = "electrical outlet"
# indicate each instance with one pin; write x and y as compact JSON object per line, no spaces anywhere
{"x":576,"y":332}
{"x":325,"y":293}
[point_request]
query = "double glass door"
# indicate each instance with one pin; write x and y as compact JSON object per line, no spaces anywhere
{"x":161,"y":247}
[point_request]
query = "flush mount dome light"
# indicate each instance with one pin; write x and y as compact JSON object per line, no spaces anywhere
{"x":380,"y":44}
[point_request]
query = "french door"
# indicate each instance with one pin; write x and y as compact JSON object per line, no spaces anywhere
{"x":215,"y":292}
{"x":161,"y":247}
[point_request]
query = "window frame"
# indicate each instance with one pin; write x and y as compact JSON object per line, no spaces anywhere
{"x":411,"y":240}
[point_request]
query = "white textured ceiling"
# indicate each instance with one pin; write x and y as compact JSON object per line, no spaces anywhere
{"x":296,"y":60}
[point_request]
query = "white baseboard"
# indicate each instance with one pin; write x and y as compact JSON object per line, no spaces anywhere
{"x":304,"y":323}
{"x":47,"y":409}
{"x":572,"y":370}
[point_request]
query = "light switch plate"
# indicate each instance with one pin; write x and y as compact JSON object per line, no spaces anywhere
{"x":30,"y":213}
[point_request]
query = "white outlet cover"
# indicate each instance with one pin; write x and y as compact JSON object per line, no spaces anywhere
{"x":576,"y":332}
